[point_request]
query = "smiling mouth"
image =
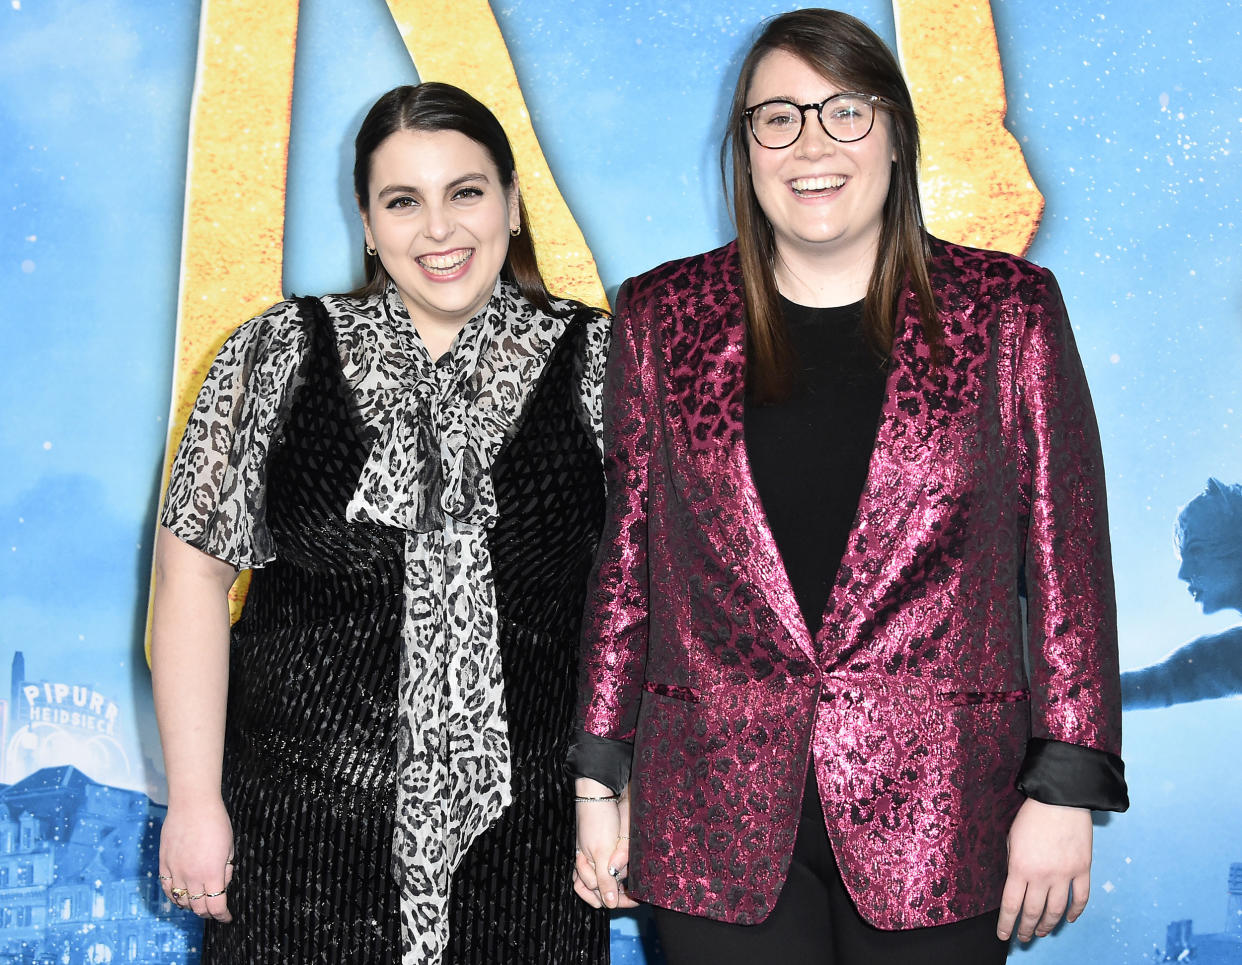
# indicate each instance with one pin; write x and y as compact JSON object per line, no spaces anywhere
{"x":445,"y":263}
{"x":817,"y":187}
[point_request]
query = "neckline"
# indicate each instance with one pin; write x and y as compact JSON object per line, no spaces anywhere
{"x":809,"y":314}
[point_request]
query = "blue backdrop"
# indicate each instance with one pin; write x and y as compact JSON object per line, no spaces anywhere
{"x":1129,"y":114}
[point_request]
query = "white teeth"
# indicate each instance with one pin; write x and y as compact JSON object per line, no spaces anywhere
{"x":817,"y":184}
{"x":448,"y":262}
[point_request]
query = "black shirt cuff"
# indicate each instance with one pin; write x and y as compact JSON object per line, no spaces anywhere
{"x":1071,"y":775}
{"x":602,"y":759}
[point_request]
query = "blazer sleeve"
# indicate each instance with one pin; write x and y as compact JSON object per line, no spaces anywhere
{"x":614,"y":639}
{"x":1074,"y":755}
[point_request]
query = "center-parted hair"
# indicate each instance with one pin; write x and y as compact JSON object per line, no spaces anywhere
{"x":442,"y":107}
{"x":851,"y":56}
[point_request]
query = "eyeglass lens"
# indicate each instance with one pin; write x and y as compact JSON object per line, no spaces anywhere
{"x":846,"y":117}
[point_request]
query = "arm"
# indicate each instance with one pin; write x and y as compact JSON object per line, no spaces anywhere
{"x":189,"y":677}
{"x":1203,"y":669}
{"x":614,"y":638}
{"x":213,"y":525}
{"x":1072,"y":639}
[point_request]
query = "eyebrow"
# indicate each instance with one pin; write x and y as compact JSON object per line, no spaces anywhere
{"x":410,"y":189}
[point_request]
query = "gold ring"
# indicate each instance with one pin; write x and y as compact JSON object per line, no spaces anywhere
{"x":165,"y":877}
{"x":179,"y":893}
{"x":212,"y":894}
{"x":201,"y":894}
{"x":623,"y":837}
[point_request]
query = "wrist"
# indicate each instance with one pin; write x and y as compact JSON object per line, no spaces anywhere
{"x":589,"y":787}
{"x":192,"y":797}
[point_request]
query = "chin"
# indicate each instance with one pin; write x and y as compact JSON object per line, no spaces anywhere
{"x":1215,"y":606}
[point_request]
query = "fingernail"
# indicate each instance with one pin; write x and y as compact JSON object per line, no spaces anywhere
{"x":612,"y":871}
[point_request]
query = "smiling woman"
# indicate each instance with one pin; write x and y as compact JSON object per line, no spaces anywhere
{"x":840,"y":451}
{"x":443,"y":240}
{"x":414,"y":472}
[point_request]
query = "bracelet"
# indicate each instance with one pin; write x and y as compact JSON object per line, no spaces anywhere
{"x":579,"y":799}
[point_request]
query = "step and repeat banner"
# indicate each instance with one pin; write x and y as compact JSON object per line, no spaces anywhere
{"x":170,"y":168}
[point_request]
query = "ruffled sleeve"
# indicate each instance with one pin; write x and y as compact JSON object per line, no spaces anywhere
{"x":217,"y":489}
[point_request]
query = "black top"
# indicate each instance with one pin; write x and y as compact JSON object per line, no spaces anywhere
{"x":809,"y":453}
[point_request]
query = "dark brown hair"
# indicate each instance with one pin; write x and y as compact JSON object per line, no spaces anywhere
{"x":848,"y":53}
{"x":443,"y":107}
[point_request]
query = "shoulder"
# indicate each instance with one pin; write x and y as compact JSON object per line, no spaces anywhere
{"x":274,"y":330}
{"x":262,"y":355}
{"x":714,"y":272}
{"x":577,"y":311}
{"x":984,"y":273}
{"x":353,"y":308}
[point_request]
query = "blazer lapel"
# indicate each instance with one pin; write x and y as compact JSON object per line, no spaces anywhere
{"x":914,"y":434}
{"x":704,"y":347}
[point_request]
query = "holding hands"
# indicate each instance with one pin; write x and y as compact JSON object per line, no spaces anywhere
{"x":603,"y":853}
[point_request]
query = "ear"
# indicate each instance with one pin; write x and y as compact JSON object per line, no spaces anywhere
{"x":515,"y":197}
{"x":366,"y":222}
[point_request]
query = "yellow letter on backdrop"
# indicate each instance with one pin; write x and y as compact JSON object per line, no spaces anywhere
{"x":974,"y":181}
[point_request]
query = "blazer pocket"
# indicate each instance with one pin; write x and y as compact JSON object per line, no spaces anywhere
{"x":674,"y":692}
{"x":963,"y":698}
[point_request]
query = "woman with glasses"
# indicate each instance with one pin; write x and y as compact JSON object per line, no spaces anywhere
{"x":370,"y":767}
{"x":841,"y":454}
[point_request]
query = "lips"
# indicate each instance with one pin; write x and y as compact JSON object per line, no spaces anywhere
{"x":444,"y":264}
{"x":816,"y":187}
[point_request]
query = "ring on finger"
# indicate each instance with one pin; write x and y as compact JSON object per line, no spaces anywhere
{"x":179,"y":893}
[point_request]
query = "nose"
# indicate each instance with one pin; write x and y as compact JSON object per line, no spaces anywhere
{"x":437,"y":222}
{"x":814,"y":140}
{"x":1184,"y":572}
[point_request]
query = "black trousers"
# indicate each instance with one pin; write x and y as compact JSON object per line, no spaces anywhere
{"x":815,"y":922}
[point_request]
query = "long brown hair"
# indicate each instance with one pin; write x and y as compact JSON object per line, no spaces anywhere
{"x":846,"y":51}
{"x":442,"y":107}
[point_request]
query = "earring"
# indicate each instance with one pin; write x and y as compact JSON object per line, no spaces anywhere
{"x":370,"y":251}
{"x":515,"y":231}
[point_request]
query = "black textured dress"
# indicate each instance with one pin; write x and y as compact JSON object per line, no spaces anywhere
{"x":311,"y":743}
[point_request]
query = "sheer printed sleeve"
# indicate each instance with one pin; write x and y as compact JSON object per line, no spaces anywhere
{"x":592,"y":364}
{"x":216,"y":491}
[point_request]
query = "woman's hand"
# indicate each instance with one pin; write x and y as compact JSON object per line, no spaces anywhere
{"x":603,"y":847}
{"x":196,"y":857}
{"x":1049,"y":869}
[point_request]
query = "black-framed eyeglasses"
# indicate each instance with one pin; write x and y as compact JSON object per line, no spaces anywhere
{"x":845,"y":117}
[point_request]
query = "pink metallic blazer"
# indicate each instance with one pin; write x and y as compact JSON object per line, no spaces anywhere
{"x":912,"y":700}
